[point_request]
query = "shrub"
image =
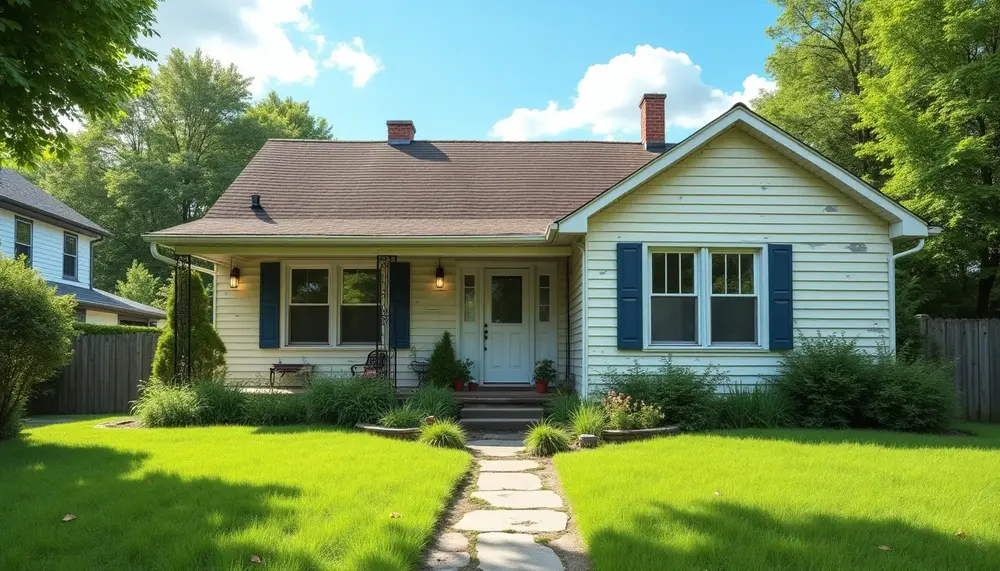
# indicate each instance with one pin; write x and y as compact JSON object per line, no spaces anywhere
{"x":35,"y":332}
{"x":274,"y":409}
{"x":221,"y":403}
{"x":403,"y":416}
{"x":826,"y":380}
{"x":443,"y":434}
{"x":437,"y":402}
{"x":625,"y":413}
{"x":754,"y":406}
{"x":443,"y":367}
{"x":208,"y":356}
{"x":916,"y":396}
{"x":545,"y":370}
{"x":588,"y":418}
{"x":349,"y":401}
{"x":560,"y":408}
{"x":99,"y":329}
{"x":546,"y":439}
{"x":161,"y":405}
{"x":686,"y":398}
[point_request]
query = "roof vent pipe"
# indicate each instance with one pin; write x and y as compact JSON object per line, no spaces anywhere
{"x":255,"y":202}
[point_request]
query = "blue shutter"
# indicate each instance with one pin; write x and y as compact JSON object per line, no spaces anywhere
{"x":629,"y":295}
{"x":399,"y":304}
{"x":779,"y":264}
{"x":270,"y":308}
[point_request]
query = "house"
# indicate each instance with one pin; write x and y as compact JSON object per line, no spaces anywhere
{"x":719,"y":250}
{"x":58,"y":242}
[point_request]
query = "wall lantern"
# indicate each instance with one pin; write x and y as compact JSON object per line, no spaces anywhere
{"x":439,"y":276}
{"x":234,"y":278}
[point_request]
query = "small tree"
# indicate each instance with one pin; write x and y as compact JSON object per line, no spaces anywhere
{"x":443,"y":367}
{"x":35,"y":331}
{"x":207,"y":350}
{"x":142,"y":286}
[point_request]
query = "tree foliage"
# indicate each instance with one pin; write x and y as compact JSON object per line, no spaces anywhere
{"x":208,"y":353}
{"x":59,"y":58}
{"x":142,"y":286}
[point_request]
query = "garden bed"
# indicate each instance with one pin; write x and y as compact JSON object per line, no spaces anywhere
{"x":609,"y":435}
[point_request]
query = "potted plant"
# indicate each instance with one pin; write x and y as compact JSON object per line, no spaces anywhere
{"x":458,"y":376}
{"x":466,"y":367}
{"x":545,"y":373}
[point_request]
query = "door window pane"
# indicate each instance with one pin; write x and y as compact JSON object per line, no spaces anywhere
{"x":544,"y":299}
{"x":734,"y":319}
{"x":506,"y":303}
{"x":469,"y":302}
{"x":674,"y":319}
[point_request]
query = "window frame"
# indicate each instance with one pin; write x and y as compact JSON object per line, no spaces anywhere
{"x":340,"y":303}
{"x":703,"y":293}
{"x":31,"y":236}
{"x":75,"y":276}
{"x":287,"y":305}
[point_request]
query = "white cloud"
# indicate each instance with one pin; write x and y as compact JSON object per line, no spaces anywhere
{"x":607,"y":98}
{"x":353,"y":59}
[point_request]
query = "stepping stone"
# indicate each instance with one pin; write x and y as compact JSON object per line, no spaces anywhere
{"x":452,"y":541}
{"x":521,"y":500}
{"x":507,"y":465}
{"x":508,"y":481}
{"x":497,"y":448}
{"x":506,"y":551}
{"x":531,"y":521}
{"x":446,"y":560}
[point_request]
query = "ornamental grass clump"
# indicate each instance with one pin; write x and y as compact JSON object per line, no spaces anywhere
{"x":163,"y":405}
{"x":403,"y":416}
{"x":443,"y":434}
{"x":589,"y":418}
{"x":546,"y":439}
{"x":438,"y":402}
{"x":624,"y":413}
{"x":560,"y":408}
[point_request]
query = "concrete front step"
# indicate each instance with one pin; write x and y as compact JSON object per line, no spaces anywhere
{"x":501,"y":411}
{"x":502,"y":424}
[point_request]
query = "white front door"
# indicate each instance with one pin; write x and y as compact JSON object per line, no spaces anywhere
{"x":507,"y":327}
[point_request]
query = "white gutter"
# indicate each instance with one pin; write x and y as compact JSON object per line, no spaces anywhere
{"x":892,"y":291}
{"x":173,"y":263}
{"x":310,"y":240}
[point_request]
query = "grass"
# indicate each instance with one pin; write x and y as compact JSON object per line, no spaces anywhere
{"x":300,"y":498}
{"x":790,"y":499}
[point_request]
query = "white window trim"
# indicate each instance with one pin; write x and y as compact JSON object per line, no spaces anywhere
{"x":31,"y":237}
{"x":287,"y":304}
{"x":76,"y":257}
{"x":703,"y":283}
{"x":340,"y":302}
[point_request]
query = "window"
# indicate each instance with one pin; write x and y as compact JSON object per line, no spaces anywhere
{"x":544,"y":299}
{"x":309,"y":306}
{"x":469,"y":298}
{"x":22,"y":239}
{"x":69,"y":255}
{"x":359,"y":318}
{"x":704,"y":296}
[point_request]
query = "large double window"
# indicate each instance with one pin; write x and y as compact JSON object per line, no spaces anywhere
{"x":313,"y":294}
{"x":704,"y":297}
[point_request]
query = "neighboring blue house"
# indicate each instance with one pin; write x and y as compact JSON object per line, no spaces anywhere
{"x":58,"y":242}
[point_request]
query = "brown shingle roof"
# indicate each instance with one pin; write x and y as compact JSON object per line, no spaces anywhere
{"x":426,"y":188}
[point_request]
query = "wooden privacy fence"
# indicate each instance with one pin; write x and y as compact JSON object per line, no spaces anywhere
{"x":974,"y":346}
{"x":103,"y":375}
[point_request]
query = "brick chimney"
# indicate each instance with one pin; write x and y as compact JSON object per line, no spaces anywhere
{"x":652,"y":121}
{"x":401,"y":132}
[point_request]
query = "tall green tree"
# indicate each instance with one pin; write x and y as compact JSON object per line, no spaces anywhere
{"x":935,"y":113}
{"x":142,"y":286}
{"x":288,"y":118}
{"x":59,"y":58}
{"x":208,"y":352}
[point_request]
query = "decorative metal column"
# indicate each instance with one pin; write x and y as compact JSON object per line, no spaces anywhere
{"x":182,"y":319}
{"x":385,"y":340}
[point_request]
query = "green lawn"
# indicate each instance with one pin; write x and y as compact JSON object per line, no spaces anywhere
{"x":790,"y":500}
{"x":211,"y":498}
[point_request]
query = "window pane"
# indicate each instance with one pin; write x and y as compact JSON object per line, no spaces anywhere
{"x":359,"y":324}
{"x":506,"y":306}
{"x":659,"y":273}
{"x":674,"y":319}
{"x":69,"y":266}
{"x":718,"y":273}
{"x":734,"y":319}
{"x":544,"y":295}
{"x":543,"y":281}
{"x":673,"y":269}
{"x":310,"y":286}
{"x":360,"y":286}
{"x":470,"y":281}
{"x":543,"y":314}
{"x":309,"y":324}
{"x":21,"y":250}
{"x":746,"y":273}
{"x":23,"y":233}
{"x":470,"y":299}
{"x":687,"y":273}
{"x":733,"y":273}
{"x":69,"y":244}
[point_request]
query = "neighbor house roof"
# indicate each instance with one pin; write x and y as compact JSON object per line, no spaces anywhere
{"x":18,"y":194}
{"x":102,"y":300}
{"x":424,"y":188}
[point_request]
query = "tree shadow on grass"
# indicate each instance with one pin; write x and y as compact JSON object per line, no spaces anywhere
{"x":887,"y":439}
{"x":720,"y":535}
{"x":127,"y":519}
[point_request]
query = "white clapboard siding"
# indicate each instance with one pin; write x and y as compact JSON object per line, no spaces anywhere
{"x":47,"y":249}
{"x":576,"y":316}
{"x":737,"y":190}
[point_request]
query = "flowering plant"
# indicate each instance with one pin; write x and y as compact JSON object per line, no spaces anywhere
{"x":623,"y":413}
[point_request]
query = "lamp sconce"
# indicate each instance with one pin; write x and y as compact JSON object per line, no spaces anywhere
{"x":234,"y":278}
{"x":439,"y":276}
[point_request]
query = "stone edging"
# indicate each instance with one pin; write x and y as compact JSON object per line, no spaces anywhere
{"x":398,"y":433}
{"x":638,"y":434}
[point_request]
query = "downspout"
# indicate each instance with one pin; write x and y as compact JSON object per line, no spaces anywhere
{"x":892,"y":291}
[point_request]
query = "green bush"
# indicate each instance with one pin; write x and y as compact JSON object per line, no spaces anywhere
{"x":403,"y":416}
{"x":99,"y":329}
{"x":560,"y":408}
{"x":624,"y":413}
{"x":208,"y":356}
{"x":162,"y":405}
{"x":438,"y":402}
{"x":686,"y":398}
{"x":589,"y":418}
{"x":268,"y":409}
{"x":546,"y":439}
{"x":915,"y":396}
{"x":221,"y":403}
{"x":443,"y":434}
{"x":35,"y":331}
{"x":443,"y":367}
{"x":348,"y":401}
{"x":754,"y":406}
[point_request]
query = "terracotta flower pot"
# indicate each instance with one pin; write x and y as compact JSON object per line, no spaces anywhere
{"x":459,"y":385}
{"x":473,"y":385}
{"x":541,"y":386}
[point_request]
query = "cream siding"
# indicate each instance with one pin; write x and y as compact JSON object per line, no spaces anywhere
{"x":47,"y":249}
{"x":736,"y":190}
{"x":101,"y":317}
{"x":576,"y":303}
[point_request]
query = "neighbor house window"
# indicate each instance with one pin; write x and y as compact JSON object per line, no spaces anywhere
{"x":22,"y":239}
{"x":544,"y":299}
{"x":69,"y":255}
{"x":359,"y":318}
{"x":309,"y":306}
{"x":704,"y":296}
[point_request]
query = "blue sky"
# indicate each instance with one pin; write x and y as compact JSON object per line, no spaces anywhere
{"x":477,"y":70}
